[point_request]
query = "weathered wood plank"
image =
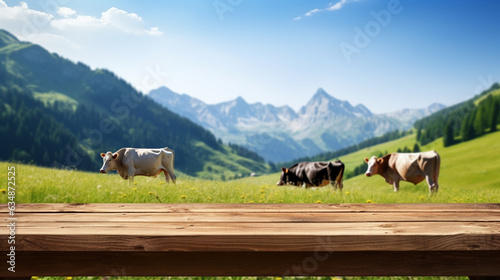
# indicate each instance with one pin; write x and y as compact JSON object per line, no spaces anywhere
{"x":264,"y":217}
{"x":236,"y":228}
{"x":259,"y":242}
{"x":248,"y":207}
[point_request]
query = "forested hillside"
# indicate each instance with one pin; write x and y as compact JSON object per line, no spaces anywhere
{"x":464,"y":121}
{"x":58,"y":113}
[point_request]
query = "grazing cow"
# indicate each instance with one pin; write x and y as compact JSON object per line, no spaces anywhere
{"x":313,"y":174}
{"x":411,"y":167}
{"x":130,"y":162}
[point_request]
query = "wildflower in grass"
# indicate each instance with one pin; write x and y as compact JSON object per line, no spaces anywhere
{"x":369,"y":201}
{"x":319,"y":201}
{"x":34,"y":278}
{"x":3,"y":190}
{"x":135,"y":183}
{"x":183,"y":197}
{"x":193,"y":189}
{"x":346,"y":193}
{"x":69,"y":278}
{"x":124,"y":195}
{"x":243,"y":196}
{"x":151,"y":193}
{"x":134,"y":189}
{"x":422,"y":197}
{"x":209,"y":198}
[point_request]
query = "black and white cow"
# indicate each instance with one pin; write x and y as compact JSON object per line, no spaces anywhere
{"x":313,"y":174}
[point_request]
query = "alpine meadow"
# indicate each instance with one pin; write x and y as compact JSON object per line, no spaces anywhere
{"x":468,"y":174}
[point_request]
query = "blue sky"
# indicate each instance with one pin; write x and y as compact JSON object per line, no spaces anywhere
{"x":385,"y":54}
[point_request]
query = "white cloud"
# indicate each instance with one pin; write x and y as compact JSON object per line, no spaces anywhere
{"x":336,"y":6}
{"x":120,"y":19}
{"x":66,"y":12}
{"x":113,"y":19}
{"x":331,"y":7}
{"x":25,"y":22}
{"x":154,"y":31}
{"x":311,"y":12}
{"x":78,"y":22}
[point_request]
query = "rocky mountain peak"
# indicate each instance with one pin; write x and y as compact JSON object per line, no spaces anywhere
{"x":324,"y":105}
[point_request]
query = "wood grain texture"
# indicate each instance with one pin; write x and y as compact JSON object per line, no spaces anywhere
{"x":254,"y":239}
{"x":248,"y":207}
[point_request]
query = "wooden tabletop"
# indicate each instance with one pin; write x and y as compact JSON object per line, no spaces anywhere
{"x":254,"y":239}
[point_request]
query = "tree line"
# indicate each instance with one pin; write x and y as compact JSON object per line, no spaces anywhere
{"x":462,"y":122}
{"x":244,"y":152}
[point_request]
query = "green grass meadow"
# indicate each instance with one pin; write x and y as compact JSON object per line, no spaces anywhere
{"x":470,"y":173}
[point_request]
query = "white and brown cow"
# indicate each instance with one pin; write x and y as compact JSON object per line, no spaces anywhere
{"x":411,"y":167}
{"x":130,"y":162}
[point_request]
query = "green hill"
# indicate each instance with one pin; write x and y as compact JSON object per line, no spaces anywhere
{"x":57,"y":113}
{"x":469,"y":166}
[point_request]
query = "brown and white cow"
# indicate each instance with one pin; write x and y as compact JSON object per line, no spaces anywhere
{"x":411,"y":167}
{"x":313,"y":174}
{"x":130,"y":162}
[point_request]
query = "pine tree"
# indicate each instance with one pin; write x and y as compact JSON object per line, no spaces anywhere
{"x":416,"y":148}
{"x":467,"y":129}
{"x":494,"y":117}
{"x":480,"y":119}
{"x":448,"y":137}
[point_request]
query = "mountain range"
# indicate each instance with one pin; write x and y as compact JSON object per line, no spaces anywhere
{"x":279,"y":134}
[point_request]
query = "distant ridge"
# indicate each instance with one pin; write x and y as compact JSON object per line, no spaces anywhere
{"x":324,"y":123}
{"x":6,"y":38}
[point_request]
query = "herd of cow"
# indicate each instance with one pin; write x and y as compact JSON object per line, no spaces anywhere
{"x":395,"y":167}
